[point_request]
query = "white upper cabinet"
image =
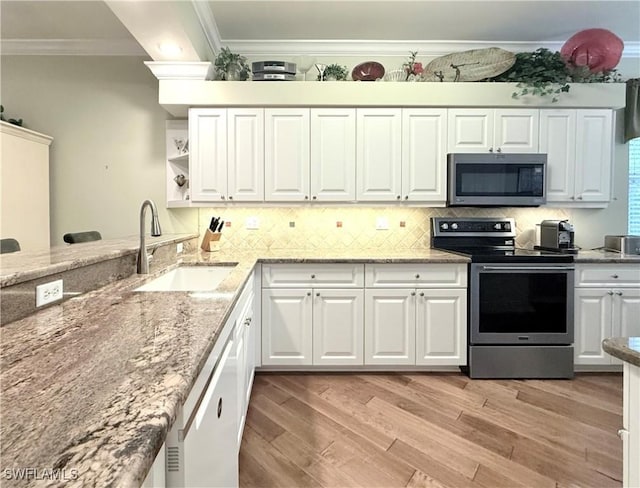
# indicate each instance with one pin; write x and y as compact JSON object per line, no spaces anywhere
{"x":593,"y":155}
{"x":493,"y":130}
{"x":424,"y":154}
{"x":379,"y":133}
{"x":333,"y":154}
{"x":286,"y":159}
{"x":208,"y":154}
{"x":246,"y":154}
{"x":578,"y":144}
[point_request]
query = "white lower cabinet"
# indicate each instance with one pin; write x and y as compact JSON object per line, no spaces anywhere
{"x":286,"y":326}
{"x":202,"y":447}
{"x":607,"y":304}
{"x":441,"y":327}
{"x":390,"y":326}
{"x":156,"y":477}
{"x":338,"y":321}
{"x":630,"y":433}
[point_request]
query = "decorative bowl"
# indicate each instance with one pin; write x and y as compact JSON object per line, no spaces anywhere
{"x":396,"y":75}
{"x":369,"y":71}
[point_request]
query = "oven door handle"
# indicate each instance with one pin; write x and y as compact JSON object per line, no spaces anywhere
{"x":528,"y":268}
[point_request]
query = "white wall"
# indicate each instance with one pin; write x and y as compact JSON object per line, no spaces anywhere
{"x":108,"y":153}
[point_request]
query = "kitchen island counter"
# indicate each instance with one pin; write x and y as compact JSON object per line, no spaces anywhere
{"x":91,"y":387}
{"x":625,"y":348}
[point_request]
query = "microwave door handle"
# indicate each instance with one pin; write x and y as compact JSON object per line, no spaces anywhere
{"x":528,"y":268}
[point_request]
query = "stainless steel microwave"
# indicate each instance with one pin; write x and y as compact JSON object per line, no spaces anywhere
{"x":496,"y":180}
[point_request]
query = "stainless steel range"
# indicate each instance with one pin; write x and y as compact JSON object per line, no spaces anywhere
{"x":520,"y":315}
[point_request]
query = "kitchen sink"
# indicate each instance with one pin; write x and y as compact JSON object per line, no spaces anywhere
{"x":189,"y":278}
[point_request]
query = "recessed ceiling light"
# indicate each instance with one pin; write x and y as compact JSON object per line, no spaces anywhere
{"x":169,"y":48}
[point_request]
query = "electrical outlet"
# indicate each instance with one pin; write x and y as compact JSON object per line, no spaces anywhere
{"x":252,"y":223}
{"x":49,"y":292}
{"x":382,"y":223}
{"x":179,"y":247}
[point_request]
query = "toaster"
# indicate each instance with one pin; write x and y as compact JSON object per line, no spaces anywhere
{"x":623,"y":244}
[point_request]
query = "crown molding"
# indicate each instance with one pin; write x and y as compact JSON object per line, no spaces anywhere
{"x":209,"y":25}
{"x":28,"y":134}
{"x":72,"y":47}
{"x":388,"y":48}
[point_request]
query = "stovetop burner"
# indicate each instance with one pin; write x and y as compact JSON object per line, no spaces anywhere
{"x":487,"y":240}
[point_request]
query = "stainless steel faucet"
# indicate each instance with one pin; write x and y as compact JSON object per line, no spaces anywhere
{"x":143,"y":257}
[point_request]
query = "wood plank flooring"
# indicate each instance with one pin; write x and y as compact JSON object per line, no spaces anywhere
{"x":432,"y":430}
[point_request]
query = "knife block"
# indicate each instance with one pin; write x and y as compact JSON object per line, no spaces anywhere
{"x":210,"y":241}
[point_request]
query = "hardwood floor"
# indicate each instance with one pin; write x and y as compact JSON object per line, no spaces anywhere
{"x":432,"y":430}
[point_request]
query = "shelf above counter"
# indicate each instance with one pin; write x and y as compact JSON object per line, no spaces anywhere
{"x":177,"y":96}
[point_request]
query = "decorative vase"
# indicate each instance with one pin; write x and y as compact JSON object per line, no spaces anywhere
{"x":233,"y":72}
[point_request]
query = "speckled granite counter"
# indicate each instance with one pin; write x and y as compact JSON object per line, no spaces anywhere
{"x":602,"y":256}
{"x":624,"y":348}
{"x":92,"y":386}
{"x":28,"y":265}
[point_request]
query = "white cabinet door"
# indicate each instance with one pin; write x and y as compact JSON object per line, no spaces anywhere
{"x":208,"y":154}
{"x":210,"y":459}
{"x":592,"y":325}
{"x":390,"y":326}
{"x":593,"y":155}
{"x":333,"y":154}
{"x":501,"y":130}
{"x":241,"y":363}
{"x":156,"y":478}
{"x":516,"y":130}
{"x":558,"y":142}
{"x":470,"y":130}
{"x":246,"y":154}
{"x":441,"y":327}
{"x":378,"y":157}
{"x":424,"y":155}
{"x":338,"y":327}
{"x":286,"y":156}
{"x":626,"y":312}
{"x":287,"y":327}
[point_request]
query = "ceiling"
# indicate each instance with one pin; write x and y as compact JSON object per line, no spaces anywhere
{"x":347,"y":27}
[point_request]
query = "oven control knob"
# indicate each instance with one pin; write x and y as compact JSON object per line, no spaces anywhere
{"x":454,"y":226}
{"x":497,"y":226}
{"x":444,"y":226}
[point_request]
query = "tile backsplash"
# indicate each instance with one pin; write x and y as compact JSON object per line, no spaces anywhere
{"x":353,"y":227}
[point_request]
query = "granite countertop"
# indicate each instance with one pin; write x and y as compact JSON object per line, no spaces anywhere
{"x":92,"y":386}
{"x":603,"y":256}
{"x":28,"y":265}
{"x":624,"y":348}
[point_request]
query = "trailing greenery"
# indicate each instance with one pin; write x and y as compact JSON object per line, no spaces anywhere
{"x":336,"y":71}
{"x":545,"y":73}
{"x":11,"y":121}
{"x":226,"y":59}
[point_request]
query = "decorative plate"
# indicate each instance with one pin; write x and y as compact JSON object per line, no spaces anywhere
{"x":598,"y":49}
{"x":473,"y":65}
{"x":368,"y":71}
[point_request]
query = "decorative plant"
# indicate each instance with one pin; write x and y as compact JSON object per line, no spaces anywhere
{"x":227,"y":61}
{"x":17,"y":122}
{"x":334,"y":71}
{"x":411,"y":67}
{"x":545,"y":73}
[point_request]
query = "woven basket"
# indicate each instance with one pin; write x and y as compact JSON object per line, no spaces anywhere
{"x":473,"y":65}
{"x":395,"y":75}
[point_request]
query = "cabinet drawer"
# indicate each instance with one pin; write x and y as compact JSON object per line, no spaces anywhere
{"x":411,"y":275}
{"x":608,"y":275}
{"x":325,"y":275}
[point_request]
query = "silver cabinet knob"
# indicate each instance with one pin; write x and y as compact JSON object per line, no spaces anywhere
{"x":398,"y":197}
{"x":417,"y":277}
{"x":313,"y":276}
{"x":413,"y":293}
{"x":621,"y":432}
{"x":619,"y":293}
{"x":222,"y":197}
{"x":314,"y":197}
{"x":615,"y":276}
{"x":572,"y":197}
{"x":306,"y":197}
{"x":318,"y":294}
{"x":406,"y":197}
{"x":230,"y":198}
{"x":609,"y":293}
{"x":219,"y":407}
{"x":580,"y":198}
{"x":499,"y":149}
{"x":308,"y":293}
{"x":421,"y":293}
{"x":490,"y":149}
